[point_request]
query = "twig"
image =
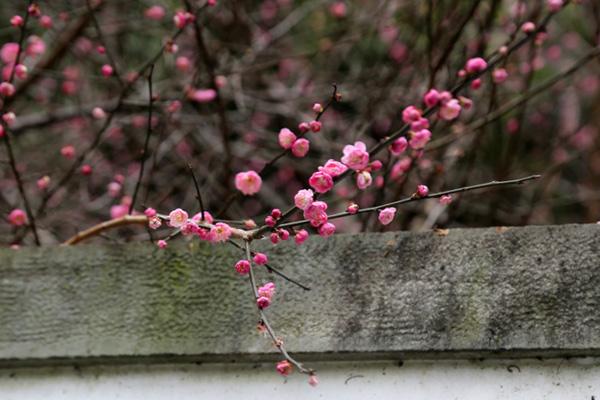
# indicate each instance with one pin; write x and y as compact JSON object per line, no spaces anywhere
{"x":209,"y":64}
{"x":268,"y":167}
{"x":276,"y":271}
{"x":492,"y":61}
{"x":98,"y":136}
{"x":198,"y":194}
{"x":7,"y":140}
{"x":146,"y":141}
{"x":415,"y":198}
{"x":103,"y":42}
{"x":516,"y":102}
{"x":113,"y":223}
{"x":452,"y":42}
{"x":276,"y":341}
{"x":63,"y":44}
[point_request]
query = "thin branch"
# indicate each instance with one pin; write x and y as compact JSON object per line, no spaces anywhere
{"x":99,"y":134}
{"x":415,"y":198}
{"x":274,"y":270}
{"x":209,"y":64}
{"x":198,"y":194}
{"x":268,"y":167}
{"x":104,"y":226}
{"x":516,"y":102}
{"x":493,"y":60}
{"x":103,"y":42}
{"x":7,"y":139}
{"x":144,"y":155}
{"x":62,"y":45}
{"x":276,"y":341}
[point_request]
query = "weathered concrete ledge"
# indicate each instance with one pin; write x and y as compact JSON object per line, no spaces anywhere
{"x":516,"y":292}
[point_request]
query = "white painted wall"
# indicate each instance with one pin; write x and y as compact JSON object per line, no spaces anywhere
{"x":440,"y":380}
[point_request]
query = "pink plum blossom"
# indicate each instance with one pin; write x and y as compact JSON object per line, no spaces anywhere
{"x":260,"y":259}
{"x":446,"y":199}
{"x":155,"y":13}
{"x":107,"y":70}
{"x":8,"y":52}
{"x":315,"y":126}
{"x":475,"y":65}
{"x":386,"y":216}
{"x":420,"y":139}
{"x":301,"y":236}
{"x":300,"y":147}
{"x":284,"y":367}
{"x":333,"y":168}
{"x":363,"y":180}
{"x":162,"y":244}
{"x":316,"y":213}
{"x":303,"y":198}
{"x":321,"y":182}
{"x":327,"y":229}
{"x":398,"y":146}
{"x":67,"y":151}
{"x":431,"y":98}
{"x":356,"y":156}
{"x":202,"y":95}
{"x":263,"y":302}
{"x":450,"y":110}
{"x":499,"y":75}
{"x":286,"y":138}
{"x":267,"y":290}
{"x":242,"y":267}
{"x":248,"y":182}
{"x":17,"y":217}
{"x":422,"y":190}
{"x":411,"y":114}
{"x":118,"y":211}
{"x":43,"y":182}
{"x":177,"y":218}
{"x":220,"y":232}
{"x":352,"y":208}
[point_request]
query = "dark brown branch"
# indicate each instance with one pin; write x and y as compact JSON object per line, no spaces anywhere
{"x":198,"y":194}
{"x":63,"y":44}
{"x":108,"y":52}
{"x":144,"y":155}
{"x":492,"y":61}
{"x":276,"y":341}
{"x":416,"y":198}
{"x":274,"y":270}
{"x":516,"y":102}
{"x":209,"y":64}
{"x":269,"y":166}
{"x":7,"y":140}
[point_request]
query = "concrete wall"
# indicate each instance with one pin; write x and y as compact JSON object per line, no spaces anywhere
{"x":482,"y":305}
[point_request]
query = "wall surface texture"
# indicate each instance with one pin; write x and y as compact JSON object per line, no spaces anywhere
{"x":465,"y":295}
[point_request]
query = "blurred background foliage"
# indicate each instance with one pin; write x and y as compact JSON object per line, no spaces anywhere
{"x":273,"y":60}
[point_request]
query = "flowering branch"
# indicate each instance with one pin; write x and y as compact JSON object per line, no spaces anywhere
{"x":516,"y":102}
{"x":265,"y":322}
{"x":99,"y":133}
{"x":483,"y":67}
{"x":108,"y":53}
{"x":6,"y":134}
{"x":415,"y":197}
{"x":274,"y":270}
{"x":268,"y":167}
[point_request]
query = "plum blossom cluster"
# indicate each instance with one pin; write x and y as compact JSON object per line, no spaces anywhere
{"x":355,"y":160}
